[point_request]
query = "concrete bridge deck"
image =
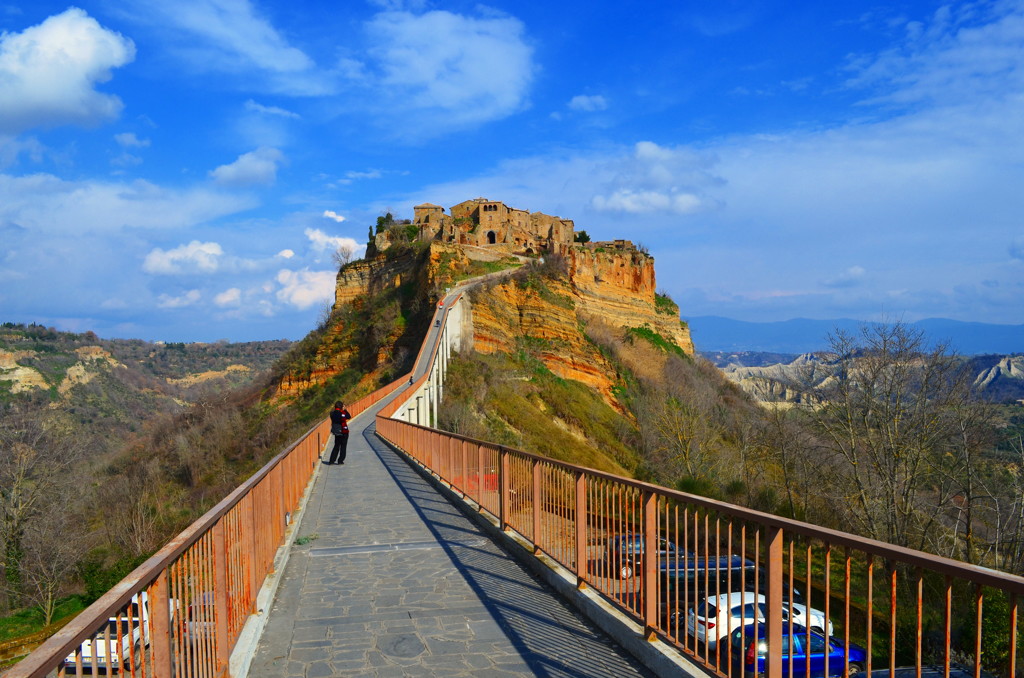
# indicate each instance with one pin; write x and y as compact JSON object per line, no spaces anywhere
{"x":397,"y":581}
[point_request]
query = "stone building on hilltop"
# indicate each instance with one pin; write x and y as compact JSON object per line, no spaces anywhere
{"x":481,"y":222}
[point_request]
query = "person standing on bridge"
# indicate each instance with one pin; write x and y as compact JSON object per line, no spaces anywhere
{"x":339,"y":429}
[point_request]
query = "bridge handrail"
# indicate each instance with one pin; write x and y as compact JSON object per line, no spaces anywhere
{"x":282,"y":480}
{"x":506,"y":483}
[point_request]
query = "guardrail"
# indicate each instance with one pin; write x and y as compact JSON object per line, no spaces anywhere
{"x":658,"y":554}
{"x":653,"y":552}
{"x":180,"y":613}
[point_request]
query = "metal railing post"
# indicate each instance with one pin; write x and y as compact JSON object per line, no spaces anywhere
{"x":220,"y":593}
{"x":582,"y":561}
{"x":536,"y":507}
{"x":650,"y":564}
{"x":160,"y":615}
{"x":773,"y":599}
{"x":480,"y":475}
{"x":505,"y":495}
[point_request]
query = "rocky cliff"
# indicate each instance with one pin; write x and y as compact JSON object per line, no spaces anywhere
{"x":540,"y":309}
{"x":614,"y":287}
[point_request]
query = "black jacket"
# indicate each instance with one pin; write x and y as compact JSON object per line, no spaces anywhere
{"x":339,"y":421}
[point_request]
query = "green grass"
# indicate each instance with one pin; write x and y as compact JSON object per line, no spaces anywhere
{"x":655,"y":339}
{"x":522,"y":404}
{"x":30,"y":620}
{"x":664,"y":304}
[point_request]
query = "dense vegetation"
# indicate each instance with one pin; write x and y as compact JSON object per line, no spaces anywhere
{"x":888,"y":437}
{"x":90,"y":488}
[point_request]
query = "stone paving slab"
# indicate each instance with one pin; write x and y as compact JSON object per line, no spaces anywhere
{"x":395,"y":581}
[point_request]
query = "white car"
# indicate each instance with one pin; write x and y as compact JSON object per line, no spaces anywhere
{"x":119,"y":643}
{"x":717,"y":616}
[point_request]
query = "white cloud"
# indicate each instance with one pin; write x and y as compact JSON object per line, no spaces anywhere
{"x":129,"y":140}
{"x":231,"y":36}
{"x":49,"y":72}
{"x":47,"y":204}
{"x":639,"y":202}
{"x":187,"y":299}
{"x":286,"y":254}
{"x":256,"y":167}
{"x":660,"y":179}
{"x":329,"y":243}
{"x":849,"y":278}
{"x":254,"y":107}
{"x":229,"y":297}
{"x":302,"y":289}
{"x":11,"y":148}
{"x":457,"y":70}
{"x":126,"y":160}
{"x":583,"y":102}
{"x":369,"y":174}
{"x":195,"y":257}
{"x":963,"y":53}
{"x":331,"y":214}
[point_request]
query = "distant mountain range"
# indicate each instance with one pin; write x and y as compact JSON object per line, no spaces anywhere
{"x":802,"y":335}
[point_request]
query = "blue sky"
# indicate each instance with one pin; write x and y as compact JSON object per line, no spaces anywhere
{"x":183,"y":169}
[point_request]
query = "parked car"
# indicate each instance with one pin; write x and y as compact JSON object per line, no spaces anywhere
{"x":118,"y":644}
{"x":716,"y":616}
{"x":625,"y":553}
{"x":927,"y":671}
{"x":747,"y":649}
{"x":200,"y":618}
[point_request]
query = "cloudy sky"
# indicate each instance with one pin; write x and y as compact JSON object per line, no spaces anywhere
{"x":184,"y":169}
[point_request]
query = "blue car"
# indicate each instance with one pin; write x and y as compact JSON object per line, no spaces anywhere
{"x":747,"y":650}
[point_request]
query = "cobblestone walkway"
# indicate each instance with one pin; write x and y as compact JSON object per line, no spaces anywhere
{"x":395,"y":581}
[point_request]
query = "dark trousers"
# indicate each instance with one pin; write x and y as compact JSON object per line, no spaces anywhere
{"x":340,"y":446}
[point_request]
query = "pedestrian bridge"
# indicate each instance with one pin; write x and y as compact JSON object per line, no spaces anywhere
{"x":430,"y":554}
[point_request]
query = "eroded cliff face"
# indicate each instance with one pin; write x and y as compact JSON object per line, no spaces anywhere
{"x":613,"y":288}
{"x":422,"y":273}
{"x":618,"y":287}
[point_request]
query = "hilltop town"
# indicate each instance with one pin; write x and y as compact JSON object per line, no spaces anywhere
{"x":492,"y":224}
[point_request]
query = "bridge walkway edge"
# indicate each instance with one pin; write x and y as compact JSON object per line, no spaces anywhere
{"x":413,"y":588}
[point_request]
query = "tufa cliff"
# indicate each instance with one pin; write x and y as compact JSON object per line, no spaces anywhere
{"x":610,"y":286}
{"x":544,"y":306}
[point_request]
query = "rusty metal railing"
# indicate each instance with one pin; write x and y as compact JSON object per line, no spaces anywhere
{"x":657,"y":554}
{"x":181,"y":612}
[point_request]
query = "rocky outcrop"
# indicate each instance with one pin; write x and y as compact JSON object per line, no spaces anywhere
{"x":362,"y":278}
{"x":615,"y":282}
{"x":22,"y":378}
{"x":612,"y":283}
{"x":1010,"y":367}
{"x":547,"y":323}
{"x":612,"y":286}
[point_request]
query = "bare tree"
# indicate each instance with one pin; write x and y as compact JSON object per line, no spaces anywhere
{"x":680,"y":424}
{"x":132,"y":528}
{"x":882,"y":412}
{"x":54,"y":545}
{"x":786,"y":447}
{"x":343,"y":255}
{"x":35,"y":454}
{"x":965,"y":490}
{"x":1011,"y":554}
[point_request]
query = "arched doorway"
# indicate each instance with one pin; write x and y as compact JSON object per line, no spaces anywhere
{"x":491,"y":238}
